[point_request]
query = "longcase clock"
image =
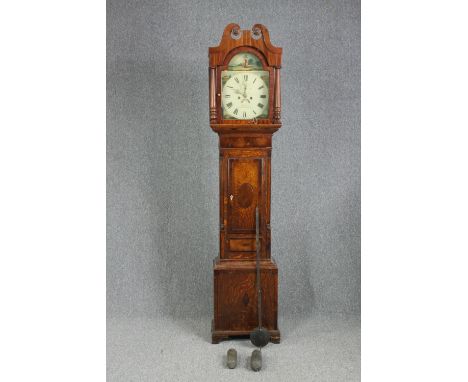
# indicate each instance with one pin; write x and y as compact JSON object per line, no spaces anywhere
{"x":245,"y":111}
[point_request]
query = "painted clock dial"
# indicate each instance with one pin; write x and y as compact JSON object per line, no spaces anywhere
{"x":244,"y":92}
{"x":245,"y":96}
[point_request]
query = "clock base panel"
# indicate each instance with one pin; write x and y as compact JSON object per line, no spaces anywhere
{"x":235,"y":299}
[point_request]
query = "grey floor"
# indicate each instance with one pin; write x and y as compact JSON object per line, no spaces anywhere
{"x":320,"y":348}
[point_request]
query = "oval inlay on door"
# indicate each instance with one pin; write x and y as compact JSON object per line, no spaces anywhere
{"x":245,"y":195}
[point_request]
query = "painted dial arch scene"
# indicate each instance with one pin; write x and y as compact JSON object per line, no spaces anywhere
{"x":244,"y":93}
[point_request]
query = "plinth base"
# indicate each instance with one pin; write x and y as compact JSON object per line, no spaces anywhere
{"x":236,"y":299}
{"x":221,"y":335}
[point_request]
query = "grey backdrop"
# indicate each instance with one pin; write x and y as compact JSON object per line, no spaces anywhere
{"x":162,"y":172}
{"x":162,"y":157}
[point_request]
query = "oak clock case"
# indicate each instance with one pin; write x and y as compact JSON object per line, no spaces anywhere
{"x":245,"y":111}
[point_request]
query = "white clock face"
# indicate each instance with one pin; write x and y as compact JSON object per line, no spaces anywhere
{"x":245,"y":96}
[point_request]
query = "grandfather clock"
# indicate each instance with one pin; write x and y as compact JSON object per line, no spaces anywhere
{"x":245,"y":110}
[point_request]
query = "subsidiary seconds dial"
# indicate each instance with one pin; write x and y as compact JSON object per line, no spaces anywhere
{"x":245,"y":96}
